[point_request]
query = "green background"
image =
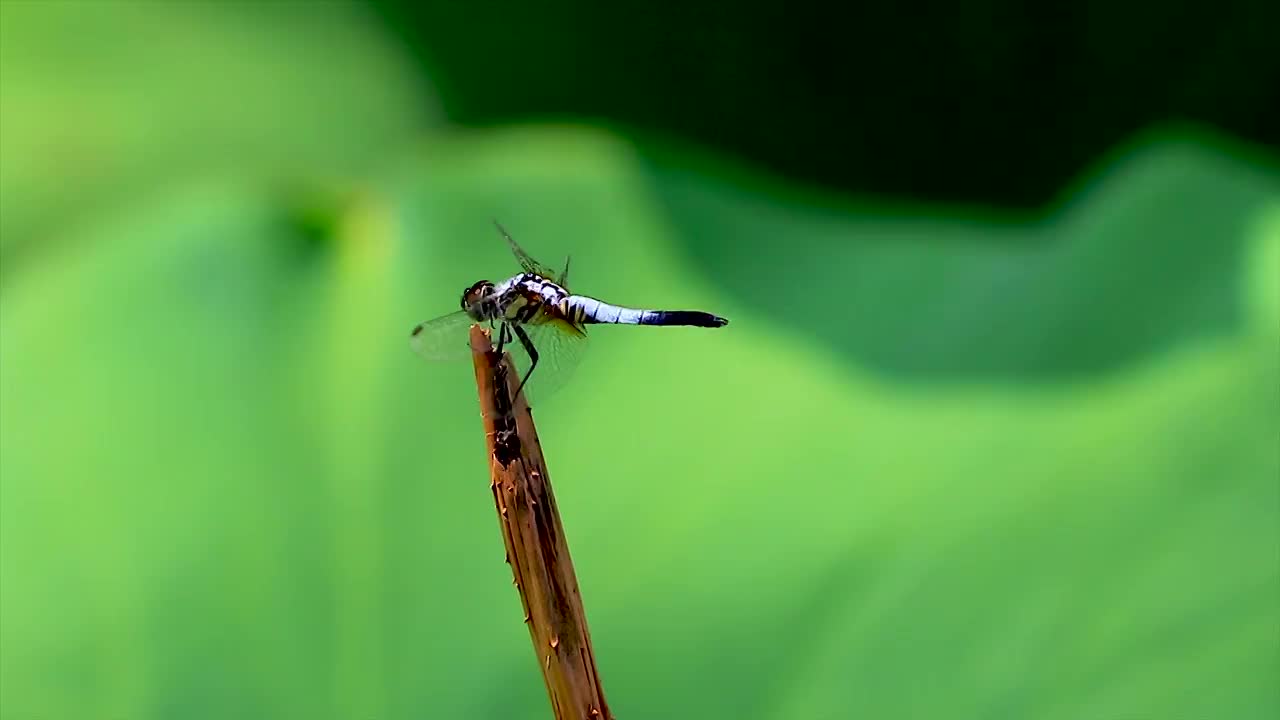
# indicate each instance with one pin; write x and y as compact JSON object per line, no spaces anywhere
{"x":944,"y":462}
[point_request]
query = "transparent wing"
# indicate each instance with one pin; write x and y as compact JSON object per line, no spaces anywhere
{"x":563,"y":280}
{"x":445,"y":339}
{"x":560,"y":350}
{"x":527,"y":263}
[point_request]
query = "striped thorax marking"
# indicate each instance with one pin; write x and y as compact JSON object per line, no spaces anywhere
{"x":527,"y":299}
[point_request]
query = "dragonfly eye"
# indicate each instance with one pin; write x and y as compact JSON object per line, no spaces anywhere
{"x":475,"y":293}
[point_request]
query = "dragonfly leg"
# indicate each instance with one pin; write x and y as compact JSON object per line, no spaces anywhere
{"x":504,"y":337}
{"x":533,"y":354}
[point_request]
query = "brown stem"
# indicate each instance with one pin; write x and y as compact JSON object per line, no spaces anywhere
{"x":536,"y":546}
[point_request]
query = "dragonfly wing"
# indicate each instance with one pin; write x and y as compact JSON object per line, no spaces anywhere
{"x":527,"y":263}
{"x":444,"y":338}
{"x":563,"y":280}
{"x":560,"y":348}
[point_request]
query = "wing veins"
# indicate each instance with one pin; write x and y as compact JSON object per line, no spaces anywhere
{"x":527,"y":263}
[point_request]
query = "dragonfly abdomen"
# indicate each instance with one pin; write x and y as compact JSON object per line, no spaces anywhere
{"x":590,"y":310}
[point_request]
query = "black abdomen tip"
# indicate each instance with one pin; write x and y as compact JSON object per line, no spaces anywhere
{"x":696,"y":318}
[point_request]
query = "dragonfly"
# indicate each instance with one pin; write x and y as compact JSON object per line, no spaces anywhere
{"x":539,"y":319}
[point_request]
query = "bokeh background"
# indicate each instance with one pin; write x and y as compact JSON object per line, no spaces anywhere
{"x":994,"y":431}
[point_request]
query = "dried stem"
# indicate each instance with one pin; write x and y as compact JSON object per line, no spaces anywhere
{"x":536,"y":547}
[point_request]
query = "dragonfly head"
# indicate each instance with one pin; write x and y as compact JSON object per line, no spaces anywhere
{"x":472,"y":297}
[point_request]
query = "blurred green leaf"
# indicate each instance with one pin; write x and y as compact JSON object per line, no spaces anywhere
{"x":1160,"y":227}
{"x":104,"y":104}
{"x":230,"y":489}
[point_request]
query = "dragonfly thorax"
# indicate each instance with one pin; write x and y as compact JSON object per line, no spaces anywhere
{"x":516,"y":299}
